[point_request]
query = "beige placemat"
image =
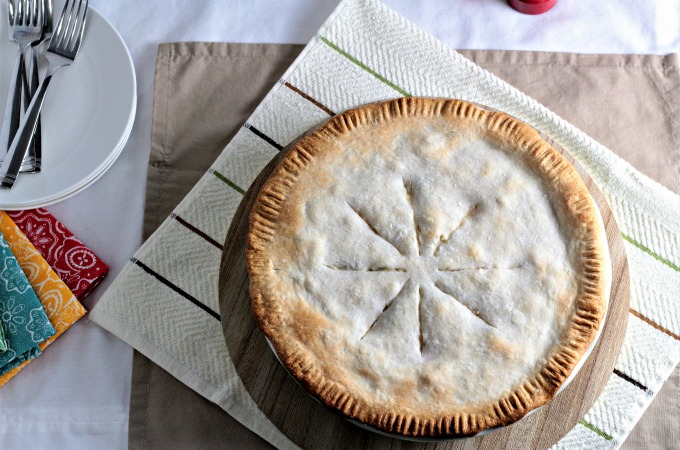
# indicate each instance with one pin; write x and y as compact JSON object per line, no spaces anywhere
{"x":196,"y":113}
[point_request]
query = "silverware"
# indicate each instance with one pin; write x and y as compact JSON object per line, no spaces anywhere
{"x":64,"y":46}
{"x":34,"y":155}
{"x":12,"y":116}
{"x":26,"y":24}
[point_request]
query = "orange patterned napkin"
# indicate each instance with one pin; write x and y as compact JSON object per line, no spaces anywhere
{"x":61,"y":306}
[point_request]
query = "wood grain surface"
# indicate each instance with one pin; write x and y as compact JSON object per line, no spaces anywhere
{"x":310,"y":425}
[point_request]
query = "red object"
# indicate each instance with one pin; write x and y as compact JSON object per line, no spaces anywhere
{"x":77,"y":266}
{"x":532,"y":6}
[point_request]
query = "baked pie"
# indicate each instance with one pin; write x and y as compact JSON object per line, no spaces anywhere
{"x":427,"y":267}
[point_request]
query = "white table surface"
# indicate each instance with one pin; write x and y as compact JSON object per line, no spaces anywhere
{"x":76,"y":395}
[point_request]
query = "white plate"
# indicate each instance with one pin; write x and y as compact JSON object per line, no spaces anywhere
{"x":87,"y":117}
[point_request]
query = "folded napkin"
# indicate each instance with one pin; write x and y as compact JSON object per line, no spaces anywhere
{"x":59,"y":303}
{"x":21,"y":315}
{"x":77,"y":266}
{"x":366,"y":52}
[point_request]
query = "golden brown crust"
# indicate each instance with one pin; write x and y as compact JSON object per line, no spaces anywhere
{"x":576,"y":204}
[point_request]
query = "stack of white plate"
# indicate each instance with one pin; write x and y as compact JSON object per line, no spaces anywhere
{"x":87,"y":116}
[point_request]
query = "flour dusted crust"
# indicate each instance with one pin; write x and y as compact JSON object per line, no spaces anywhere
{"x":427,"y":267}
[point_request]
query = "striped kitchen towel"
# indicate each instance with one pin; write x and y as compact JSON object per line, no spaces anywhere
{"x":165,"y":302}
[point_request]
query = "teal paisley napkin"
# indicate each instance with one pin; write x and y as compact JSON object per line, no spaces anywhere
{"x":22,"y":317}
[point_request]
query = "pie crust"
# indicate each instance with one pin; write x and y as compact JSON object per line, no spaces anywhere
{"x":427,"y":267}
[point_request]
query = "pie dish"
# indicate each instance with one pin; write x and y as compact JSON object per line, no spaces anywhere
{"x":427,"y":267}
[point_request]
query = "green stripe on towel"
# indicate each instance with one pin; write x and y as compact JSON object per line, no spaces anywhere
{"x":596,"y":430}
{"x":227,"y":181}
{"x":651,"y":253}
{"x":364,"y":66}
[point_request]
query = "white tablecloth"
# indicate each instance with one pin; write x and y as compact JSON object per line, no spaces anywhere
{"x":76,"y":395}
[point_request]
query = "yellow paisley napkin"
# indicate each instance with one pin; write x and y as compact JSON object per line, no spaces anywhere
{"x":61,"y":306}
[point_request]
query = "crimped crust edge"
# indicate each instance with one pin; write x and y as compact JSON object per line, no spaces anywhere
{"x":535,"y":391}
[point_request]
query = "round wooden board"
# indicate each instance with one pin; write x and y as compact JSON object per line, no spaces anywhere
{"x":310,"y":425}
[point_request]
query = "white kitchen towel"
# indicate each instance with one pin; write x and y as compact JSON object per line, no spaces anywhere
{"x":165,"y":302}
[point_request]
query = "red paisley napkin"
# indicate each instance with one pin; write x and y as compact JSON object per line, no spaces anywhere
{"x":77,"y":266}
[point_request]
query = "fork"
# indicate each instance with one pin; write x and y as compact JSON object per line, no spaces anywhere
{"x":33,"y":160}
{"x":26,"y":23}
{"x":63,"y":48}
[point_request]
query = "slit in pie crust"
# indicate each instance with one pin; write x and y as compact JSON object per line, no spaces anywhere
{"x":427,"y":267}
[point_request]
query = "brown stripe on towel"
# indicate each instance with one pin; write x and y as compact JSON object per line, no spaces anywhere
{"x":316,"y":103}
{"x":196,"y":231}
{"x":654,"y":324}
